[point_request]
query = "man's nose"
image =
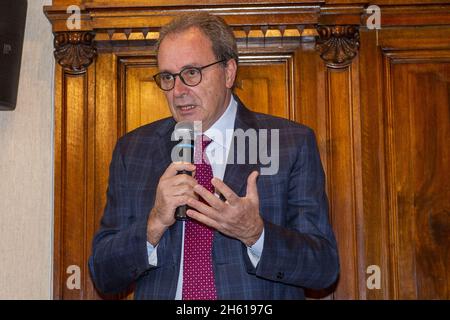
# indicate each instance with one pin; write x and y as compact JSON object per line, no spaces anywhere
{"x":179,"y":88}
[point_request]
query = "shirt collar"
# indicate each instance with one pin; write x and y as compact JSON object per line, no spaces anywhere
{"x":221,"y":131}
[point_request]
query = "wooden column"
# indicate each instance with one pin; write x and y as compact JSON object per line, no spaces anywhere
{"x":338,"y":47}
{"x":74,"y":162}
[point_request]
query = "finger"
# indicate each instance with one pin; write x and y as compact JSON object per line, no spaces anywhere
{"x":177,"y":201}
{"x":203,"y":219}
{"x":210,"y":198}
{"x":182,"y":190}
{"x":174,"y":167}
{"x":252,"y":189}
{"x":184,"y":179}
{"x":226,"y":191}
{"x":203,"y":208}
{"x":181,"y":200}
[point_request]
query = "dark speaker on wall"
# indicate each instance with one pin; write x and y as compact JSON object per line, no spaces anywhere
{"x":13,"y":14}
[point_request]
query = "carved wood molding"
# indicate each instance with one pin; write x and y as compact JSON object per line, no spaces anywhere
{"x":75,"y":51}
{"x":338,"y":45}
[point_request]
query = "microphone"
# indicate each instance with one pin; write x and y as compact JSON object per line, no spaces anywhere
{"x":183,"y":151}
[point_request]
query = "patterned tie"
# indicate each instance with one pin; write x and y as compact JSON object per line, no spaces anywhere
{"x":198,"y":275}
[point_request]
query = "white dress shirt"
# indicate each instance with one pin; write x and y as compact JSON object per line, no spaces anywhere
{"x":221,"y":133}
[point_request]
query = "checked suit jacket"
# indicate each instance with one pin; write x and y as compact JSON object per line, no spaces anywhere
{"x":299,"y":246}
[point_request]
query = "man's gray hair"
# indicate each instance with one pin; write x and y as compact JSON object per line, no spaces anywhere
{"x":215,"y":28}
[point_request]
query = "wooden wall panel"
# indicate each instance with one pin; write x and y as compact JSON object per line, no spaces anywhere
{"x":342,"y":160}
{"x":404,"y":80}
{"x":73,"y":187}
{"x":106,"y":126}
{"x":374,"y":224}
{"x":264,"y":84}
{"x":105,"y":136}
{"x":310,"y":100}
{"x":85,"y":135}
{"x":328,"y":102}
{"x":418,"y":132}
{"x":144,"y":102}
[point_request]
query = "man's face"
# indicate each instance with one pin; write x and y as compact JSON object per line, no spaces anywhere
{"x":208,"y":100}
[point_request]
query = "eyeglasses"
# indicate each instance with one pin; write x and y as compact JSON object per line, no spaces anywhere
{"x":191,"y":76}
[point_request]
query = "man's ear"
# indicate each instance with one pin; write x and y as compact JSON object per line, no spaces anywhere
{"x":230,"y":73}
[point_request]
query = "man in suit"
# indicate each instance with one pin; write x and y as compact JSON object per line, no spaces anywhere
{"x":267,"y":237}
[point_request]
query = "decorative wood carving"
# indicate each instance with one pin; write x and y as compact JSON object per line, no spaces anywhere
{"x":255,"y":36}
{"x":338,"y":45}
{"x":75,"y":51}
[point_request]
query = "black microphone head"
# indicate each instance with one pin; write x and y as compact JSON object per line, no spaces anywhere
{"x":184,"y":150}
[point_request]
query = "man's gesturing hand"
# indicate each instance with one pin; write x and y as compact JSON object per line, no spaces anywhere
{"x":237,"y":217}
{"x":173,"y":190}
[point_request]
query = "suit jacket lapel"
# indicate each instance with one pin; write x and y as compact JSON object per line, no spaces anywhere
{"x":236,"y":178}
{"x":236,"y":174}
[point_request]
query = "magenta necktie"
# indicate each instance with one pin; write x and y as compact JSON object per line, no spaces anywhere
{"x":198,"y":275}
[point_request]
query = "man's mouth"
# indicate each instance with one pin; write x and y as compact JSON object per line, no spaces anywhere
{"x":186,"y":107}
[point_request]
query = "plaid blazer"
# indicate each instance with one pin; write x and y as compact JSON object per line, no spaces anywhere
{"x":299,"y":245}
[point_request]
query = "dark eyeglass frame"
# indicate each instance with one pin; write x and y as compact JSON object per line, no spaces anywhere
{"x":157,"y":77}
